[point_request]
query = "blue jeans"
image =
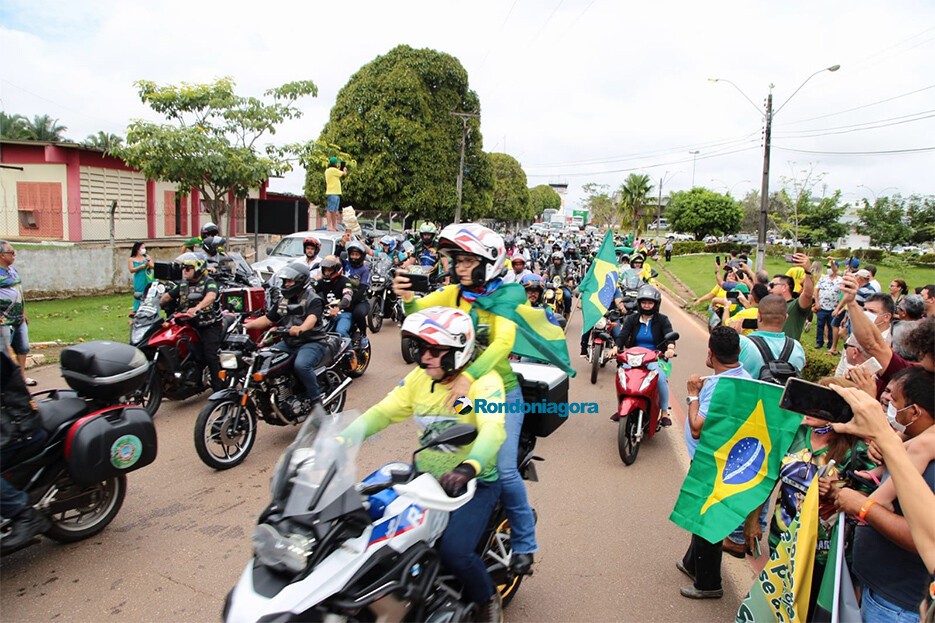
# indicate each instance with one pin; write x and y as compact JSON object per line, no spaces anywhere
{"x":343,"y":324}
{"x":458,"y":544}
{"x":12,"y":500}
{"x":824,"y":327}
{"x":332,"y":202}
{"x":513,"y":489}
{"x":737,"y":535}
{"x":566,"y":299}
{"x":307,"y":357}
{"x":17,"y":337}
{"x":875,"y":609}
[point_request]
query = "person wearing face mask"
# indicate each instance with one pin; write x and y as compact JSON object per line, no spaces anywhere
{"x":141,"y":267}
{"x":886,"y":561}
{"x":878,"y":309}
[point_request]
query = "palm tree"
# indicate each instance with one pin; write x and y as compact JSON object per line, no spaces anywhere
{"x":632,"y":205}
{"x":45,"y":128}
{"x":12,"y":126}
{"x":104,"y":141}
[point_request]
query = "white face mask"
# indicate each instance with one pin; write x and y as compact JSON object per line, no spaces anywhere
{"x":871,"y":316}
{"x":891,"y":412}
{"x":143,"y":251}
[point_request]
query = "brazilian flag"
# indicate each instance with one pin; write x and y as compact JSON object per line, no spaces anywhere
{"x":538,"y":334}
{"x":598,"y":286}
{"x":737,"y":462}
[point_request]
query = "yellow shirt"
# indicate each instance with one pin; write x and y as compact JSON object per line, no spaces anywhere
{"x":798,"y":275}
{"x":744,"y":314}
{"x":333,"y":177}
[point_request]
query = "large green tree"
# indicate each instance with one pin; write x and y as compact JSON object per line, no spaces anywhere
{"x":543,"y":197}
{"x":13,"y":126}
{"x":884,"y":221}
{"x":820,"y":220}
{"x":45,"y":128}
{"x":701,"y":212}
{"x":633,"y":202}
{"x":600,"y":204}
{"x":776,"y":209}
{"x":510,"y":193}
{"x":920,"y":212}
{"x":395,"y":116}
{"x":210,"y":140}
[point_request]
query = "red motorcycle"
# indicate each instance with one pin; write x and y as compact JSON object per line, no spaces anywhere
{"x":638,"y":397}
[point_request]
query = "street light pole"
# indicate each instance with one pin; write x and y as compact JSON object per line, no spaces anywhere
{"x":464,"y":119}
{"x":694,"y":160}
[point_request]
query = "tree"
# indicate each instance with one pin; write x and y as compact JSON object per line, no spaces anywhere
{"x":541,"y":198}
{"x":775,"y":211}
{"x":44,"y":128}
{"x":633,"y":199}
{"x":703,"y":212}
{"x":600,"y":204}
{"x":210,"y":142}
{"x":821,"y":221}
{"x":920,"y":211}
{"x":510,"y":193}
{"x":394,"y":116}
{"x":884,"y":221}
{"x":13,"y":127}
{"x":108,"y":143}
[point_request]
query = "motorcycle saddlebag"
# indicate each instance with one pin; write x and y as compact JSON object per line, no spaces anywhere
{"x":104,"y":370}
{"x":109,"y":443}
{"x":542,"y":384}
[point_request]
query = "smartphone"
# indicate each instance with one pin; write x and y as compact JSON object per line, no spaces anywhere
{"x":417,"y":282}
{"x":815,"y":400}
{"x":717,"y":260}
{"x":871,"y":366}
{"x":863,"y":482}
{"x":749,"y":323}
{"x":733,"y":295}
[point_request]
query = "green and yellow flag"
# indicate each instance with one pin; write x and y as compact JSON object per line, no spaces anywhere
{"x":598,"y":286}
{"x":538,"y":334}
{"x":781,"y":592}
{"x":737,"y":461}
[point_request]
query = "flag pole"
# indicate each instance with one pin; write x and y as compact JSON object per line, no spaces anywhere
{"x":574,"y":306}
{"x":838,"y":563}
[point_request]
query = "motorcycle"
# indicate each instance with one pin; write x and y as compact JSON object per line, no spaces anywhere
{"x":330,"y":548}
{"x":77,"y":475}
{"x":638,"y":397}
{"x":359,"y":359}
{"x":262,"y":386}
{"x":553,"y":297}
{"x":383,"y":301}
{"x":601,"y":346}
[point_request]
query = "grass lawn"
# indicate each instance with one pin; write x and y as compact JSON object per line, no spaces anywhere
{"x":76,"y":319}
{"x":697,"y":272}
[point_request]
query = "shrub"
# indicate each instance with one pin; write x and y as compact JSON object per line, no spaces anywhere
{"x":869,"y":255}
{"x":687,"y":247}
{"x":926,"y":258}
{"x":841,"y":254}
{"x":818,"y":363}
{"x":728,"y":247}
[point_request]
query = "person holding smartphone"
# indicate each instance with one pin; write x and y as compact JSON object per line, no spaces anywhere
{"x":797,"y":309}
{"x":141,"y":267}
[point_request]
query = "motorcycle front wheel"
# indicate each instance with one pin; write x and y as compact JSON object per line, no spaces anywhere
{"x":222,"y":440}
{"x":375,"y":317}
{"x":597,"y":354}
{"x":498,"y":554}
{"x":81,"y":511}
{"x":627,"y":445}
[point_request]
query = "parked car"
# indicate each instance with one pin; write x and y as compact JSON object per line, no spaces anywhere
{"x":290,"y":248}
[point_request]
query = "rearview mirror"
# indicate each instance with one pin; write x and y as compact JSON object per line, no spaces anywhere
{"x":269,"y":250}
{"x":457,"y":435}
{"x":671,"y":337}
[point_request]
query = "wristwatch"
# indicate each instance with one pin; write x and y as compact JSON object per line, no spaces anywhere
{"x":690,"y":399}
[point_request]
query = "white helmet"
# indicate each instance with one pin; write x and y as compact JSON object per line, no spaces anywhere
{"x":443,"y":326}
{"x":477,"y":240}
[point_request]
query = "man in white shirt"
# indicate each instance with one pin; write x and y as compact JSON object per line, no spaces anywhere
{"x":519,"y":269}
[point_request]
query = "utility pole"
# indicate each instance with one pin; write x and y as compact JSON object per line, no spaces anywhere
{"x":764,"y":188}
{"x":694,"y":160}
{"x":464,"y":119}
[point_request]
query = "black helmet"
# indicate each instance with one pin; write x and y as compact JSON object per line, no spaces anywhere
{"x":356,"y":245}
{"x":331,"y":267}
{"x":208,"y":230}
{"x":294,"y":271}
{"x":311,"y":241}
{"x":213,"y":245}
{"x":649,"y":293}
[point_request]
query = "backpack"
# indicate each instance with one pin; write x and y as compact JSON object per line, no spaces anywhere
{"x":776,"y":370}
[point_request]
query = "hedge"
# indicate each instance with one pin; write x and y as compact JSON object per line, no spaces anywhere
{"x":687,"y":247}
{"x":926,"y":258}
{"x":818,"y":363}
{"x":729,"y":247}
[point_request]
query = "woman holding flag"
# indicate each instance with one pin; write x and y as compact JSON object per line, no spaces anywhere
{"x":505,"y":323}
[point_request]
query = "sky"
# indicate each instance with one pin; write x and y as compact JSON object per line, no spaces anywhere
{"x":578,"y":91}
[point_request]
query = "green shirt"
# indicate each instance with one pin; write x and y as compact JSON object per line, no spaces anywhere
{"x":795,"y":322}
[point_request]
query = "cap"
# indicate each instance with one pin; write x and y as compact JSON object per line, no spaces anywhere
{"x":863,"y":272}
{"x":333,"y":160}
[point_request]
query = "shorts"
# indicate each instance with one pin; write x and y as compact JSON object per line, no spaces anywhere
{"x":17,"y":336}
{"x":333,"y":203}
{"x":836,"y":321}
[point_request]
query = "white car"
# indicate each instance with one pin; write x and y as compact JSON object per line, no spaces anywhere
{"x":291,"y":248}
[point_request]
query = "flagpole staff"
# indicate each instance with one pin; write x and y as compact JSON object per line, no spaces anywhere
{"x":574,"y":306}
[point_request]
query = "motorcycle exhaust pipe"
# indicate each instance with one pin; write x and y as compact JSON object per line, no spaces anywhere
{"x":340,"y":388}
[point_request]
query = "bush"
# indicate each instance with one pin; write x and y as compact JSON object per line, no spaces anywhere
{"x":729,"y":247}
{"x":926,"y":258}
{"x":818,"y":363}
{"x":687,"y":247}
{"x":778,"y":250}
{"x":841,"y":254}
{"x":869,"y":255}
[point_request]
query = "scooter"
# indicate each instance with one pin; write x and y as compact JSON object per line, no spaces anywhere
{"x":601,"y":342}
{"x":638,"y":397}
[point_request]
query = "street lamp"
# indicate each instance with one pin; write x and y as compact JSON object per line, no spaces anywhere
{"x":694,"y":160}
{"x":875,"y":194}
{"x":764,"y":189}
{"x":729,"y":188}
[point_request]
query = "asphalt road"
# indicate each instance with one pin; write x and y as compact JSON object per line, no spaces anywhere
{"x":183,"y":535}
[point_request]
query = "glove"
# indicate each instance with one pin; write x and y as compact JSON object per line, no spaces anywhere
{"x":456,"y":480}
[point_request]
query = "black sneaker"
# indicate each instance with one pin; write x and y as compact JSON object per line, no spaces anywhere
{"x":521,"y":564}
{"x":24,"y":526}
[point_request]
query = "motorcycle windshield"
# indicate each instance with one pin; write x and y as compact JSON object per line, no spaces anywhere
{"x":244,"y":272}
{"x":630,"y":280}
{"x":319,"y":466}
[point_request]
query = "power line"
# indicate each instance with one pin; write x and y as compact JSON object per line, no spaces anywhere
{"x":883,"y":101}
{"x":502,"y":26}
{"x":859,"y":127}
{"x":548,"y":19}
{"x":859,"y":153}
{"x":648,"y":166}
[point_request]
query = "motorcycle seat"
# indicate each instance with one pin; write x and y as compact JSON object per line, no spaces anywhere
{"x":334,"y":342}
{"x":56,"y":413}
{"x":226,"y":321}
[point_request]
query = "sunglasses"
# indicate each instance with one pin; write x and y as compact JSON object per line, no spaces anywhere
{"x":7,"y":252}
{"x":774,"y":285}
{"x":433,"y":350}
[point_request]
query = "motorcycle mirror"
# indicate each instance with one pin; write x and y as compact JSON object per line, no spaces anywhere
{"x":672,"y":337}
{"x":457,"y":435}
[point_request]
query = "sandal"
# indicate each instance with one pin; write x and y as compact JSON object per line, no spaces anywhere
{"x":31,"y":382}
{"x":834,"y":353}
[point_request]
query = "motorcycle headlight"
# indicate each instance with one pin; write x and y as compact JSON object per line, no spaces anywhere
{"x":228,"y":359}
{"x":274,"y":549}
{"x":649,"y":379}
{"x":635,"y":360}
{"x":600,"y":324}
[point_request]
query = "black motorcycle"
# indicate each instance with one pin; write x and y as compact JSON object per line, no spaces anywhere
{"x":263,"y":386}
{"x":383,"y":301}
{"x":76,"y":474}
